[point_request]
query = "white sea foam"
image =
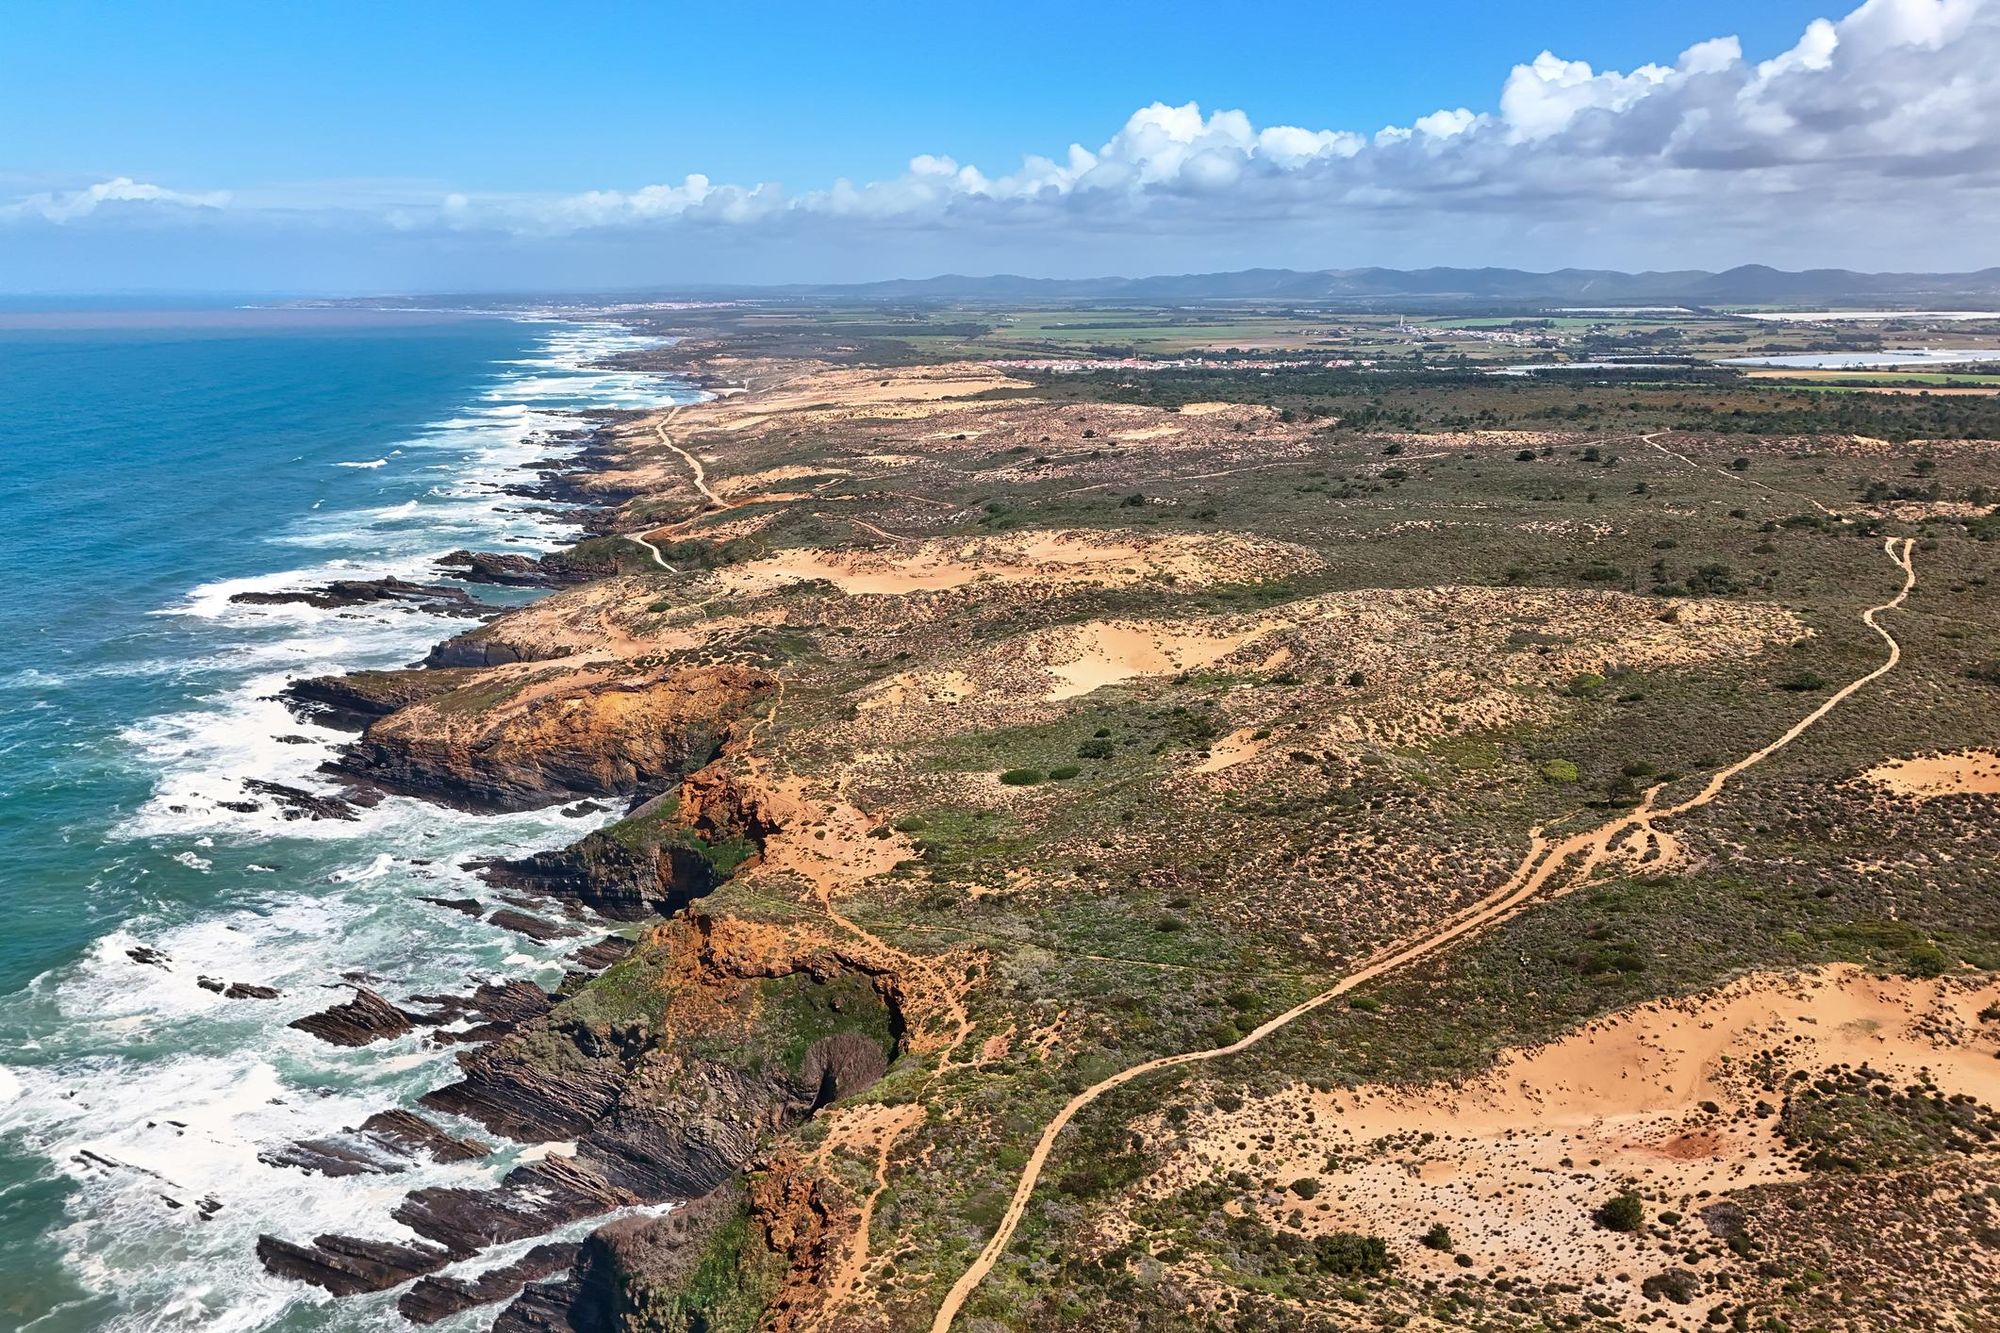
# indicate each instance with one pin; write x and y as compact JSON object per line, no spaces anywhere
{"x":144,"y":1086}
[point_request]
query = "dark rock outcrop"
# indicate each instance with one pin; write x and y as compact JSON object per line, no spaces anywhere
{"x":534,"y":927}
{"x":617,"y":1264}
{"x":502,"y":570}
{"x":382,"y":1144}
{"x":435,"y":1298}
{"x":298,"y":803}
{"x":505,"y":1005}
{"x":350,"y":702}
{"x":476,"y":649}
{"x":413,"y":1135}
{"x":365,"y":1018}
{"x":347,"y":1266}
{"x":343,"y":593}
{"x":841,"y":1065}
{"x":600,"y":954}
{"x":236,"y":990}
{"x":670,"y":1080}
{"x":617,"y":877}
{"x":655,"y":861}
{"x":531,"y":1201}
{"x":556,"y":1090}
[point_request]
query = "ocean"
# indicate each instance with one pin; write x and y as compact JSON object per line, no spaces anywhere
{"x":155,"y":464}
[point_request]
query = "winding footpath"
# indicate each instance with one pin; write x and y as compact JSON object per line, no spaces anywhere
{"x":694,"y":464}
{"x":638,"y":540}
{"x":1542,"y":864}
{"x":712,"y":500}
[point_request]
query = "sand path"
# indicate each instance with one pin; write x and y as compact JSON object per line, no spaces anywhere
{"x":1654,"y":440}
{"x":694,"y":464}
{"x":868,"y":527}
{"x":651,"y":550}
{"x":1543,"y":861}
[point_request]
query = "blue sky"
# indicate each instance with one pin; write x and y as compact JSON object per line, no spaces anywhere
{"x":349,"y":147}
{"x":576,"y":97}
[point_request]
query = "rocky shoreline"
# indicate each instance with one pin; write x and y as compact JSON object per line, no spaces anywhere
{"x":630,"y":1102}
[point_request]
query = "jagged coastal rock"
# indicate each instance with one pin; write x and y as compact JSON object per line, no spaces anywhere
{"x":365,"y":1018}
{"x":667,"y":1076}
{"x":340,"y":594}
{"x":350,"y":702}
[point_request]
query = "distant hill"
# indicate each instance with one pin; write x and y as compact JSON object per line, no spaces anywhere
{"x":1750,"y":283}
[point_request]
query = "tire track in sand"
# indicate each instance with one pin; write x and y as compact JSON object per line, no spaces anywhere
{"x":1542,"y":863}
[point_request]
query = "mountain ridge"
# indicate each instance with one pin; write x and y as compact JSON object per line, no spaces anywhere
{"x":1746,"y":283}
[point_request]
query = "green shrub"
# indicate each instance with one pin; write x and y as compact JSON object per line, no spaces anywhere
{"x":1305,"y":1187}
{"x":1926,"y":960}
{"x":1438,"y":1238}
{"x":1560,"y":770}
{"x":1063,"y":772}
{"x":1676,"y":1284}
{"x":1346,"y":1254}
{"x":1622,"y":1212}
{"x":1021,"y":777}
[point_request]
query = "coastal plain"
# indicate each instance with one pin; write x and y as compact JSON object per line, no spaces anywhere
{"x":1149,"y":820}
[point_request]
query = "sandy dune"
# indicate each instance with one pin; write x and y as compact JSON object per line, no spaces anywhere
{"x":1048,"y":558}
{"x":1664,"y":1098}
{"x":1974,"y":772}
{"x":1109,"y":651}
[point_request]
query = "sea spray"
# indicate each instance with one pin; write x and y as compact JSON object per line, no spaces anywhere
{"x":142,"y":1099}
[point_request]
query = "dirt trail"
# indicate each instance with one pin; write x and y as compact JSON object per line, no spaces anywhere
{"x":694,"y":464}
{"x":1654,"y":440}
{"x":651,"y":550}
{"x":868,"y":527}
{"x":1542,"y":863}
{"x":875,"y":1129}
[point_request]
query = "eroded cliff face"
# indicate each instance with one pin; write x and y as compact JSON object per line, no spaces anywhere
{"x":515,"y":741}
{"x":669,"y":1072}
{"x":753,"y":1251}
{"x":665,"y":855}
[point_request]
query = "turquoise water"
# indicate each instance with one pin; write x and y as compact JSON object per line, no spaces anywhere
{"x":153,"y":467}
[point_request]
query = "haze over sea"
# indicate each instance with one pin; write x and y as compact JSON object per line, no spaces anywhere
{"x":155,"y":465}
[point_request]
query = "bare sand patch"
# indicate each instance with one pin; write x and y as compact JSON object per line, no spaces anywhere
{"x":752,"y":481}
{"x":1432,"y":661}
{"x":911,"y":391}
{"x":1968,"y":772}
{"x":1110,"y":651}
{"x":1916,"y":511}
{"x":1051,"y":558}
{"x":1668,"y":1098}
{"x":826,"y":840}
{"x":1211,"y":409}
{"x":1238,"y":747}
{"x":912,"y":689}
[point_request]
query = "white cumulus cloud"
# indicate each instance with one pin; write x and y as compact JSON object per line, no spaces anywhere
{"x":70,"y":205}
{"x":1897,"y":101}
